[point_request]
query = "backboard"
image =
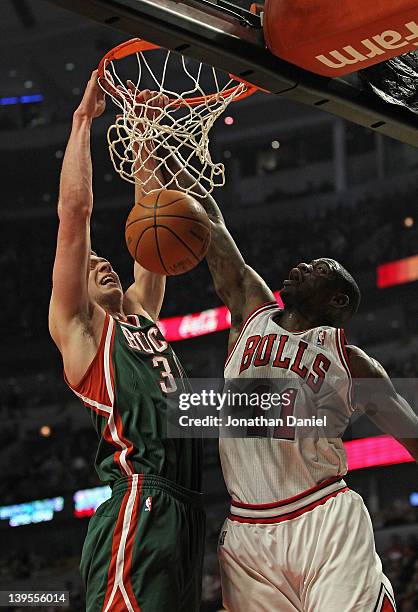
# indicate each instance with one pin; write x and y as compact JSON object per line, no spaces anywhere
{"x":226,"y":35}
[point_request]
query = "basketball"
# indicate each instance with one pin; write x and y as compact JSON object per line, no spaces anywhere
{"x":168,"y":232}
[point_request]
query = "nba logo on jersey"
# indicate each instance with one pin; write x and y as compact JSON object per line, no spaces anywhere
{"x":148,"y":504}
{"x":222,"y":538}
{"x":321,"y":337}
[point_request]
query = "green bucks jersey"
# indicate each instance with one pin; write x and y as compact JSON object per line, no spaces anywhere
{"x":126,"y":388}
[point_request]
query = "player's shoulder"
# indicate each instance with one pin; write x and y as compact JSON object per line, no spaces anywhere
{"x":363,"y":365}
{"x":258,"y":311}
{"x":259,"y":316}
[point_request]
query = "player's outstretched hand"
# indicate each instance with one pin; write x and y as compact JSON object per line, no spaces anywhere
{"x":150,"y":103}
{"x":93,"y":103}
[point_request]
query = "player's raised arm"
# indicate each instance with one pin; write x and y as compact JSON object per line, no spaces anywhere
{"x":147,"y":291}
{"x":239,"y":286}
{"x":376,"y":395}
{"x":70,"y":306}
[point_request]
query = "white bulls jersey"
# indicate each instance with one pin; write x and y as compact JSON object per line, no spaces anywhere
{"x":293,"y":459}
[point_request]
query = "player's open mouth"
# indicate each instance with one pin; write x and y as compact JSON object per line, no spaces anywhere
{"x":108,"y":279}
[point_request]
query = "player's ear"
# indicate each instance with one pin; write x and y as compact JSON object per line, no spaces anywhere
{"x":339,"y":300}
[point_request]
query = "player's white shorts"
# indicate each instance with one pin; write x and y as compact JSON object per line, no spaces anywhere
{"x":311,"y":553}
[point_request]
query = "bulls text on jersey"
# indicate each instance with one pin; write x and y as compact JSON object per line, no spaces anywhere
{"x":271,"y":350}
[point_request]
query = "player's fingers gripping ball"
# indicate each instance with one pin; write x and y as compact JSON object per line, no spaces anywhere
{"x":168,"y":232}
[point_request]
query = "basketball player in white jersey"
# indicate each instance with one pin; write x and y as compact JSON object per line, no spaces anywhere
{"x":297,"y":539}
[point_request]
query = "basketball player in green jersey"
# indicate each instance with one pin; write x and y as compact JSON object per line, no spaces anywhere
{"x":144,"y":546}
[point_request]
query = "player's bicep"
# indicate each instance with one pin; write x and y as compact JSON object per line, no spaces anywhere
{"x":69,"y":298}
{"x":238,"y":285}
{"x":393,"y":415}
{"x":256,"y":292}
{"x":253,"y":293}
{"x":378,"y":398}
{"x":226,"y":264}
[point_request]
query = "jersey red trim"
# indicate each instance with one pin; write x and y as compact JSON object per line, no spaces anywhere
{"x":250,"y":316}
{"x":135,"y":318}
{"x":343,"y":340}
{"x":128,"y":444}
{"x":288,"y":500}
{"x":340,"y":342}
{"x":290,"y":515}
{"x":97,"y":391}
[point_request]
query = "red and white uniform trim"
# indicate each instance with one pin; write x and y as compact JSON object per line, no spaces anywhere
{"x":96,"y":390}
{"x":119,"y":595}
{"x":287,"y":509}
{"x":263,"y":308}
{"x":385,"y":601}
{"x":342,"y":353}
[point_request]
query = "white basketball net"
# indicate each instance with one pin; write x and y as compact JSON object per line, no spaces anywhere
{"x":142,"y":132}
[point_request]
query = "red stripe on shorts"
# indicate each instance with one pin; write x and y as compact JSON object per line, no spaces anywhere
{"x":117,"y":533}
{"x":118,"y":603}
{"x":130,"y":540}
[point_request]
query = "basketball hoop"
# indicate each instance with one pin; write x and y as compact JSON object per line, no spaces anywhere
{"x":144,"y":131}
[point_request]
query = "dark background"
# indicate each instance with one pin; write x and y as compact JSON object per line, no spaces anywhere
{"x":331,"y":189}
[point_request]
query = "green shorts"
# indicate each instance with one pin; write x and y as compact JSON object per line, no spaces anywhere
{"x":144,"y":548}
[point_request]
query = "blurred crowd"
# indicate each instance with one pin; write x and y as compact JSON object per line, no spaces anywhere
{"x":400,"y":563}
{"x":56,"y":464}
{"x":395,"y":513}
{"x":271,"y":246}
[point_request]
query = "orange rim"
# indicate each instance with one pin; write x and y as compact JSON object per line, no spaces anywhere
{"x":137,"y":45}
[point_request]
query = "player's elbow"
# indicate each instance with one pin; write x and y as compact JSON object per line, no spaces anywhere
{"x":222,"y":292}
{"x":230,"y":285}
{"x":75,"y":203}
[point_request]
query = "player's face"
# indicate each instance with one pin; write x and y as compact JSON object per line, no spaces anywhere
{"x":311,"y":285}
{"x":103,"y":280}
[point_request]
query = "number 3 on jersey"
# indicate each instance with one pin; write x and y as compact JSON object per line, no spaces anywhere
{"x":167,"y":380}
